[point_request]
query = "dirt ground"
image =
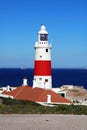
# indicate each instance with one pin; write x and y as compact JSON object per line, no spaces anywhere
{"x":42,"y":122}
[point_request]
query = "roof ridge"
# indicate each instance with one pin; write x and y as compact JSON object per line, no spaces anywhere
{"x":19,"y":91}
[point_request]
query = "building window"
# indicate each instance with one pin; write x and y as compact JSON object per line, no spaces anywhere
{"x":46,"y":50}
{"x":40,"y":78}
{"x":40,"y":56}
{"x":46,"y":80}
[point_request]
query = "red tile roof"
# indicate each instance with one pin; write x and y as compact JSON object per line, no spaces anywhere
{"x":36,"y":95}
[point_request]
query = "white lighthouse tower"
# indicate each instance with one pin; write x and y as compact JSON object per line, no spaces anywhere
{"x":42,"y":63}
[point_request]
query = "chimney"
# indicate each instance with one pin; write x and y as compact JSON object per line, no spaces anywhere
{"x":8,"y":88}
{"x":25,"y":82}
{"x":48,"y":99}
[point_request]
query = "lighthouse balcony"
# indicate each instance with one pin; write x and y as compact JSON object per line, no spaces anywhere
{"x":42,"y":45}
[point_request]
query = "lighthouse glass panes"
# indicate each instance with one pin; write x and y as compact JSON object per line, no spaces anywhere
{"x":42,"y":63}
{"x":43,"y":37}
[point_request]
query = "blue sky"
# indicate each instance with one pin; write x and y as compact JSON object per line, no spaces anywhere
{"x":66,"y":23}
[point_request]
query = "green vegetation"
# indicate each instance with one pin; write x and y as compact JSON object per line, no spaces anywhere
{"x":13,"y":106}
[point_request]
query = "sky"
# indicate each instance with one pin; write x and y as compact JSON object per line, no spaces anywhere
{"x":65,"y":21}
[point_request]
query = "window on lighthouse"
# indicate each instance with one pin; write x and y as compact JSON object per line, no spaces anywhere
{"x":46,"y":50}
{"x":43,"y":37}
{"x":40,"y":78}
{"x":46,"y":80}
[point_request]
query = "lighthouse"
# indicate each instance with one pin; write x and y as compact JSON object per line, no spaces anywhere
{"x":42,"y":63}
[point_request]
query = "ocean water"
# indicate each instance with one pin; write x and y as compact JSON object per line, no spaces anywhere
{"x":14,"y":77}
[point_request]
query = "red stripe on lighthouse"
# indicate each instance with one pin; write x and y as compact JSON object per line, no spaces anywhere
{"x":42,"y":68}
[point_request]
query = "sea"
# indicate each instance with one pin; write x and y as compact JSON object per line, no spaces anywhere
{"x":14,"y":77}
